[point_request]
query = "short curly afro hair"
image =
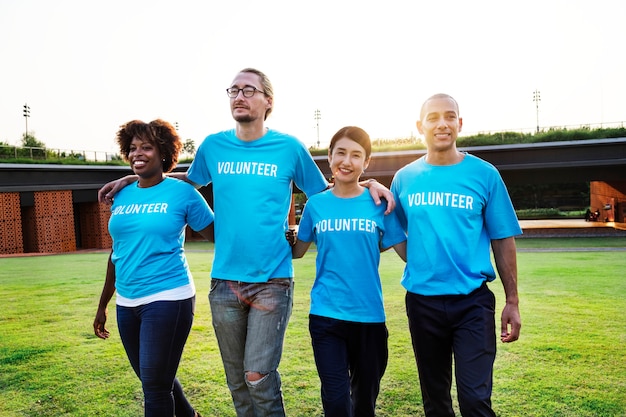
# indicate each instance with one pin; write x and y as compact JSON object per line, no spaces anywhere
{"x":159,"y":133}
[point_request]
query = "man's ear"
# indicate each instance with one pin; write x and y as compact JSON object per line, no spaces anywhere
{"x":419,"y":126}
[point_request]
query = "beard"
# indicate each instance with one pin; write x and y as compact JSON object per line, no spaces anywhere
{"x":244,"y":118}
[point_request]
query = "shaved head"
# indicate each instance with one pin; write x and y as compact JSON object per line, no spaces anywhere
{"x":438,"y":96}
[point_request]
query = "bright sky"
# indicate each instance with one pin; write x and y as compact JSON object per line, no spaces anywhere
{"x":86,"y":67}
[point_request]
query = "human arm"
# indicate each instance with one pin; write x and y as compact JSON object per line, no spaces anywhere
{"x":108,"y":190}
{"x":378,"y":192}
{"x":199,"y":215}
{"x":505,"y":256}
{"x":206,"y":232}
{"x":394,"y":235}
{"x":298,"y":247}
{"x":400,"y":249}
{"x":107,"y":292}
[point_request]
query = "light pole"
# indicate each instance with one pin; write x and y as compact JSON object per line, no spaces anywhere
{"x":26,"y":116}
{"x":537,"y":99}
{"x":317,"y":116}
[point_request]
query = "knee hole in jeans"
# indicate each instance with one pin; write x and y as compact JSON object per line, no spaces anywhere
{"x":255,"y":378}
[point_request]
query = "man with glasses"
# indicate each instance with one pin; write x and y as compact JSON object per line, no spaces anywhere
{"x":252,"y":169}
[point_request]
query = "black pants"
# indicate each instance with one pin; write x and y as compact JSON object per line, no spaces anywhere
{"x":351,"y":359}
{"x":463,"y":326}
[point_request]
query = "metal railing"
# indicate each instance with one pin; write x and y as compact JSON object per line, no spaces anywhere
{"x":40,"y":153}
{"x":43,"y":153}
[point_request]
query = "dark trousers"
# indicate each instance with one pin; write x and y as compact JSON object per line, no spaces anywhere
{"x":154,"y":336}
{"x":351,"y":359}
{"x":463,"y":326}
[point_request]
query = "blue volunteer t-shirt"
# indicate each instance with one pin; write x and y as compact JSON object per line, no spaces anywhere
{"x":348,"y":233}
{"x":148,"y":230}
{"x":252,"y":188}
{"x":451,"y":214}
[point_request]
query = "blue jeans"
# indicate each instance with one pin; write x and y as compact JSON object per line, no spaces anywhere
{"x":250,"y":320}
{"x":351,"y":359}
{"x":154,"y":336}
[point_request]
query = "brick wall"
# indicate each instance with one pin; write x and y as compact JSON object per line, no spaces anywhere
{"x":94,"y":221}
{"x":10,"y":224}
{"x":49,"y":224}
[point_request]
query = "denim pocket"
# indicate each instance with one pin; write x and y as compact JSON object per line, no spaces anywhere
{"x":214,"y":284}
{"x":283,"y":282}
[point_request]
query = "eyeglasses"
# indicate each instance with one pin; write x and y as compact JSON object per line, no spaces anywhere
{"x":248,"y":92}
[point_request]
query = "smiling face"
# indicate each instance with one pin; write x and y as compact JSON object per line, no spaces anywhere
{"x":145,"y":159}
{"x":249,"y":109}
{"x":347,"y":160}
{"x":440,"y":123}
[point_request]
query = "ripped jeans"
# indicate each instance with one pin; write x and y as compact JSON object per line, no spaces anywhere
{"x":250,"y":320}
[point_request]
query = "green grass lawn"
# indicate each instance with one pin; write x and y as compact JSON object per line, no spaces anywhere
{"x":569,"y":360}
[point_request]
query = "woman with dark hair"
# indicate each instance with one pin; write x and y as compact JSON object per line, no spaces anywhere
{"x":347,"y":317}
{"x":147,"y":266}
